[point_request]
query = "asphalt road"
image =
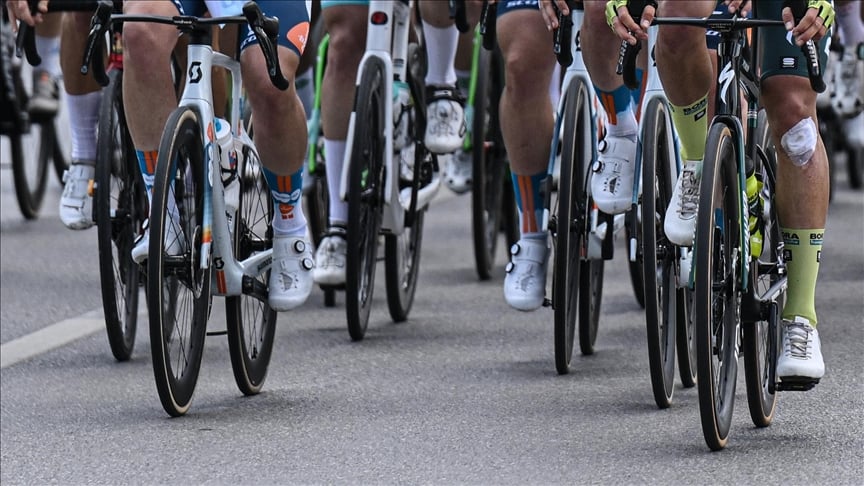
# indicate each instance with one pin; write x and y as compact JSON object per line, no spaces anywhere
{"x":464,"y":392}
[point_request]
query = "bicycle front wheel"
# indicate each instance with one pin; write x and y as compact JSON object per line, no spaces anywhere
{"x":251,"y":321}
{"x":659,"y":255}
{"x":365,"y":196}
{"x":716,"y":286}
{"x":120,"y":211}
{"x":178,"y":294}
{"x":570,"y":222}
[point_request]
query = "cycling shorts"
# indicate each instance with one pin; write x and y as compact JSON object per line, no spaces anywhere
{"x":293,"y":21}
{"x":505,"y":6}
{"x":779,"y":54}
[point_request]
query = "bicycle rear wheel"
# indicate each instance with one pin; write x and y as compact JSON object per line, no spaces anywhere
{"x":716,"y":286}
{"x":766,"y":270}
{"x":120,"y":211}
{"x":590,"y":297}
{"x":178,"y":294}
{"x":489,"y":164}
{"x":570,"y":223}
{"x":365,"y":196}
{"x":251,"y":322}
{"x":659,"y":255}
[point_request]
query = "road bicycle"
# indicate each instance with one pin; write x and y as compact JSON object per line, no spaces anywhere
{"x":583,"y":237}
{"x":668,"y":300}
{"x":738,"y":296}
{"x":383,"y":199}
{"x":33,"y":141}
{"x":198,"y":247}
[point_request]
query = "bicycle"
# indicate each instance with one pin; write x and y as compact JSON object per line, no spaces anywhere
{"x":583,"y":237}
{"x":381,"y":199}
{"x":738,"y":296}
{"x":33,"y":139}
{"x":668,"y":300}
{"x":219,"y":254}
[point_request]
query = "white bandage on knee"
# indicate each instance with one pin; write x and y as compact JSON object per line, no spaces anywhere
{"x":799,"y":142}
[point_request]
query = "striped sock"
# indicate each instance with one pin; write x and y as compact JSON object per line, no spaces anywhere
{"x":287,"y":191}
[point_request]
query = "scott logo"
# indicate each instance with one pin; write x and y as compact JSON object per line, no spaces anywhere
{"x":195,"y":73}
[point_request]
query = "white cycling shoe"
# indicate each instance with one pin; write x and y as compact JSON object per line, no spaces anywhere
{"x":680,"y":222}
{"x":291,"y":273}
{"x":612,"y":180}
{"x":76,"y":204}
{"x":801,"y":358}
{"x":330,"y":259}
{"x":525,"y":282}
{"x":445,"y":120}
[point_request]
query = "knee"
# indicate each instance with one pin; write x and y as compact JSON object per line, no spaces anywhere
{"x":525,"y":77}
{"x":147,"y":46}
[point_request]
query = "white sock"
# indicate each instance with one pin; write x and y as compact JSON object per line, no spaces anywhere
{"x":441,"y":51}
{"x":627,"y":125}
{"x":49,"y":50}
{"x":83,"y":119}
{"x":334,"y":154}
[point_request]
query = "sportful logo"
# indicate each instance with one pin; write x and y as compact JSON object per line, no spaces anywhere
{"x":789,"y":63}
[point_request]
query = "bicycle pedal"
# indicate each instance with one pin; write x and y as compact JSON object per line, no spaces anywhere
{"x":797,"y":384}
{"x":547,"y":302}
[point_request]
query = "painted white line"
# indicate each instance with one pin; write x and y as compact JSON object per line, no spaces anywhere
{"x":51,"y":337}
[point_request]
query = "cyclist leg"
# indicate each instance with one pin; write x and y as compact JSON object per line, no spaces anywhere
{"x":847,"y":97}
{"x":801,"y":194}
{"x":457,"y":169}
{"x":345,"y":21}
{"x":46,"y":90}
{"x":83,"y":95}
{"x":612,"y":181}
{"x":526,"y":124}
{"x":280,"y":117}
{"x":678,"y":61}
{"x":445,"y":116}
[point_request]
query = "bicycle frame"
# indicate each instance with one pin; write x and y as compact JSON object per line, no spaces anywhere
{"x":198,"y":95}
{"x":387,"y":40}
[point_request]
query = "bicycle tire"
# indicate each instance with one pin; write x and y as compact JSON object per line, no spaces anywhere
{"x":120,"y":211}
{"x":659,"y":255}
{"x":178,"y":295}
{"x":590,"y":296}
{"x":570,"y":223}
{"x":766,"y":269}
{"x":685,"y":338}
{"x":488,"y":165}
{"x":251,"y":323}
{"x":30,"y":173}
{"x":60,"y":162}
{"x":365,"y":196}
{"x":402,"y":267}
{"x":716,"y":286}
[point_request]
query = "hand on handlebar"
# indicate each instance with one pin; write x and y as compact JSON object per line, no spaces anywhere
{"x":20,"y":10}
{"x":549,"y":9}
{"x":619,"y":18}
{"x":813,"y":25}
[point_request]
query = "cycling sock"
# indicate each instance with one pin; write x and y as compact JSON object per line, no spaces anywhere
{"x":439,"y":61}
{"x":851,"y":26}
{"x":803,"y":253}
{"x":287,"y":191}
{"x":147,"y":163}
{"x":49,"y":49}
{"x":619,"y":112}
{"x":691,"y":122}
{"x":529,"y":200}
{"x":83,"y":118}
{"x":306,"y":91}
{"x":334,"y":154}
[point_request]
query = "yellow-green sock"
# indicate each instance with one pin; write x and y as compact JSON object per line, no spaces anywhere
{"x":691,"y":122}
{"x":803,"y":252}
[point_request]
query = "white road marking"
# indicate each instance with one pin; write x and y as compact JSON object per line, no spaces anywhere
{"x":51,"y":337}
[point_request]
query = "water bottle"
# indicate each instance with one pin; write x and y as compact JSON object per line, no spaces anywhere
{"x":754,"y":207}
{"x":401,"y":114}
{"x":228,"y":169}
